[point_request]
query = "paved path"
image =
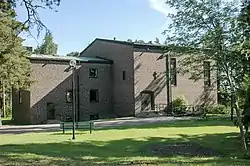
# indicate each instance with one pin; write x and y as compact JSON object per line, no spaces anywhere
{"x":98,"y":124}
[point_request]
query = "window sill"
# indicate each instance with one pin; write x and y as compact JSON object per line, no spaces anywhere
{"x":68,"y":102}
{"x":94,"y":102}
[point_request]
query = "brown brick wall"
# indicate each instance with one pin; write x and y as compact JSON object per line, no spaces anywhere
{"x":116,"y":96}
{"x":103,"y":83}
{"x":122,"y":56}
{"x":21,"y":111}
{"x":52,"y":80}
{"x":194,"y":91}
{"x":146,"y":63}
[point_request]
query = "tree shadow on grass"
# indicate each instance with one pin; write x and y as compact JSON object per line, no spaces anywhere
{"x":122,"y":152}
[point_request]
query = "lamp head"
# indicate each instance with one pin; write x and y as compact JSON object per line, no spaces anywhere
{"x":72,"y":63}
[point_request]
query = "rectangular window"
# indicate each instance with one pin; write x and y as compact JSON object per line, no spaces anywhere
{"x":20,"y":97}
{"x":207,"y":74}
{"x":93,"y":73}
{"x":94,"y":95}
{"x":69,"y":96}
{"x":173,"y":71}
{"x":124,"y":75}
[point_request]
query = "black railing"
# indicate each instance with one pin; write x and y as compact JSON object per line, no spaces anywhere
{"x":66,"y":118}
{"x":160,"y":107}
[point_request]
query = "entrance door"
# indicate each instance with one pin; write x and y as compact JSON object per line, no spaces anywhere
{"x":51,"y":111}
{"x":147,"y":100}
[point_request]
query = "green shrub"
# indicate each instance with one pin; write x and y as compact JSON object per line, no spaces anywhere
{"x":217,"y":109}
{"x":180,"y":102}
{"x":179,"y":105}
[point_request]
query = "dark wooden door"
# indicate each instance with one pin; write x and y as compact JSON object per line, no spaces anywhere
{"x":51,"y":111}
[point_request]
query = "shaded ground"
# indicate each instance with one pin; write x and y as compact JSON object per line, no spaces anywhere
{"x":188,"y":149}
{"x":129,"y":151}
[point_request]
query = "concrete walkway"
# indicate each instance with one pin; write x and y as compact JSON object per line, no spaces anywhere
{"x":98,"y":124}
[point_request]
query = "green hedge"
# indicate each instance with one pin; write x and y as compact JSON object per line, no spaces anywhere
{"x":217,"y":109}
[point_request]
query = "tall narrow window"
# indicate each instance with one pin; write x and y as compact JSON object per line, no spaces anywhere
{"x":69,"y":96}
{"x":94,"y":95}
{"x":207,"y":74}
{"x":123,"y":75}
{"x":173,"y":71}
{"x":20,"y":97}
{"x":93,"y":73}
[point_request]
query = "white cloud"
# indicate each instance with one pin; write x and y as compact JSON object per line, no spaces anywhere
{"x":160,"y":6}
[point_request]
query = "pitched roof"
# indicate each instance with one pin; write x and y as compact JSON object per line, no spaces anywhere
{"x":68,"y":58}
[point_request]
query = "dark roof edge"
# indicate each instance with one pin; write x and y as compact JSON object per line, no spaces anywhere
{"x":108,"y":60}
{"x":106,"y":40}
{"x":59,"y":60}
{"x":135,"y":45}
{"x":161,"y":48}
{"x":149,"y":46}
{"x":87,"y":47}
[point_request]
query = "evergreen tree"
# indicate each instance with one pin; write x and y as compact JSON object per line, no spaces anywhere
{"x":48,"y":47}
{"x":14,"y":64}
{"x":15,"y":67}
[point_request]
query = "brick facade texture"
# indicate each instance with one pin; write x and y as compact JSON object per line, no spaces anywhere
{"x":120,"y":85}
{"x":52,"y":80}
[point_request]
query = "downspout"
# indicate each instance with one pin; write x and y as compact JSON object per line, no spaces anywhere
{"x":169,"y":110}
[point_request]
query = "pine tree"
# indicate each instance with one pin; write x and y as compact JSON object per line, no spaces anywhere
{"x":15,"y":67}
{"x":49,"y":47}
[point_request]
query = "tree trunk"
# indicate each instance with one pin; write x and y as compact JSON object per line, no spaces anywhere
{"x":242,"y":133}
{"x":232,"y":107}
{"x":237,"y":110}
{"x":3,"y":98}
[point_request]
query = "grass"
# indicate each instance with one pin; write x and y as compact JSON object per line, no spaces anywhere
{"x":125,"y":145}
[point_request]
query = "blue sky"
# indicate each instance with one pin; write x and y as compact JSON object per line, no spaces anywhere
{"x":77,"y":23}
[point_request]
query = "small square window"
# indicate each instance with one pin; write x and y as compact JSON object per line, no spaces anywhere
{"x":69,"y":96}
{"x":93,"y":73}
{"x":94,"y":95}
{"x":207,"y":74}
{"x":20,"y":97}
{"x":124,"y":75}
{"x":173,"y":71}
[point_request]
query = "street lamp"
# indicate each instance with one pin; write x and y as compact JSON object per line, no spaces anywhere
{"x":168,"y":82}
{"x":72,"y":64}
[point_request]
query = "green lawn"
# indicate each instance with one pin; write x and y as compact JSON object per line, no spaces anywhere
{"x":123,"y":145}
